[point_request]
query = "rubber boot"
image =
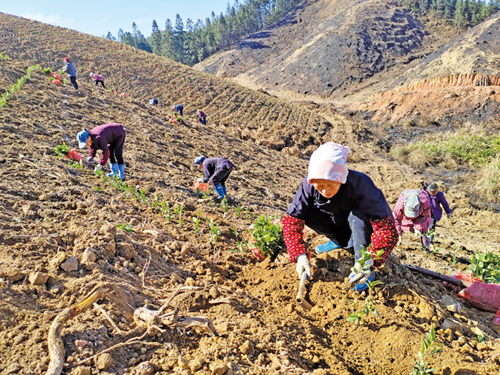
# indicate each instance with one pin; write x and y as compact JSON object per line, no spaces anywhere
{"x":329,"y":246}
{"x":220,"y":191}
{"x":121,"y":169}
{"x":224,"y":190}
{"x":114,"y":170}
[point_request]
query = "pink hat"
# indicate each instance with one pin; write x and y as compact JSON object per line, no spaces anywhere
{"x":66,"y":59}
{"x":328,"y":162}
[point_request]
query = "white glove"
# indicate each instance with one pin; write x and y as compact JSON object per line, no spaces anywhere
{"x":360,"y":275}
{"x":98,"y":167}
{"x":90,"y":159}
{"x":200,"y":179}
{"x":417,"y":233}
{"x":399,"y":240}
{"x":303,"y":265}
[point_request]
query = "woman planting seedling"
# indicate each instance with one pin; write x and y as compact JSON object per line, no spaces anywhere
{"x":178,"y":108}
{"x":346,"y":207}
{"x":216,"y":171}
{"x":110,"y":139}
{"x":97,"y":78}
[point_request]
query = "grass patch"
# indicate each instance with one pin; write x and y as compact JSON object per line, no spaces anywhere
{"x":462,"y":148}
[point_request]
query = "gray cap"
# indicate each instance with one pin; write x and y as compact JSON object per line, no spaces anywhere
{"x":432,"y":186}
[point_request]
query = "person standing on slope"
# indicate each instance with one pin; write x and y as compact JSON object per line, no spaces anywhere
{"x":97,"y":79}
{"x":178,"y":108}
{"x":216,"y":171}
{"x":345,"y":206}
{"x":412,"y":213}
{"x":437,"y":200}
{"x":71,"y":70}
{"x":201,"y":117}
{"x":109,"y":138}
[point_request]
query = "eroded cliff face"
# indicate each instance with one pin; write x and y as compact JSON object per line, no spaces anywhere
{"x":323,"y":47}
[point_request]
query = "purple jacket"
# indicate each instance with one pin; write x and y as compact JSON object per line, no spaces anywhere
{"x":213,"y":164}
{"x":358,"y":195}
{"x":437,"y":201}
{"x":104,"y":136}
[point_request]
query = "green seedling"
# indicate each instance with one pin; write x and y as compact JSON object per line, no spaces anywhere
{"x":215,"y":231}
{"x":238,"y":208}
{"x":62,"y":150}
{"x":98,"y":188}
{"x":366,"y":256}
{"x":268,"y":235}
{"x":241,"y":246}
{"x":178,"y":211}
{"x":360,"y":316}
{"x":75,"y":165}
{"x":373,"y":284}
{"x":46,"y":71}
{"x":142,"y":196}
{"x":197,"y":222}
{"x":428,"y":347}
{"x":224,"y":204}
{"x":486,"y":266}
{"x":165,"y":210}
{"x":156,"y":201}
{"x":479,"y":335}
{"x":454,"y":260}
{"x":125,"y":226}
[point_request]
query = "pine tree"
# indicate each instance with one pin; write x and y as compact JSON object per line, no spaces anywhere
{"x":178,"y":39}
{"x":110,"y":36}
{"x":166,"y":40}
{"x":155,"y":39}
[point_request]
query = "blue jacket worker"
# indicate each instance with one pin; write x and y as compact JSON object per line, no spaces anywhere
{"x":71,"y":70}
{"x":178,"y":108}
{"x":216,"y":171}
{"x":109,"y":138}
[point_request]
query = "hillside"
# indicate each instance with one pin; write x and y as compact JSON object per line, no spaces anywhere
{"x":326,"y":48}
{"x":65,"y":232}
{"x":234,"y":109}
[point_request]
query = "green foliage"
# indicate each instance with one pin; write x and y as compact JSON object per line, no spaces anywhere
{"x":237,"y":209}
{"x":428,"y":347}
{"x":165,"y":210}
{"x":75,"y":165}
{"x":461,"y":147}
{"x":268,"y":235}
{"x":479,"y":335}
{"x":197,"y":223}
{"x":365,"y":257}
{"x":17,"y":86}
{"x":195,"y":42}
{"x":359,"y":317}
{"x":373,"y":284}
{"x":486,"y":266}
{"x":4,"y":57}
{"x":125,"y":226}
{"x":178,"y":211}
{"x":241,"y":246}
{"x":224,"y":204}
{"x":215,"y":231}
{"x":46,"y":71}
{"x":62,"y":150}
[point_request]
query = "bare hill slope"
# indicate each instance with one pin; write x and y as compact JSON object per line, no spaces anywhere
{"x":324,"y":47}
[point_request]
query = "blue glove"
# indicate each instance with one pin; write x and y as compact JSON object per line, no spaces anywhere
{"x":360,"y":275}
{"x":90,"y":159}
{"x":303,"y":265}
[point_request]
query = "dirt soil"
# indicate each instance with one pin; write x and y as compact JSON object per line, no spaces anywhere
{"x":60,"y":240}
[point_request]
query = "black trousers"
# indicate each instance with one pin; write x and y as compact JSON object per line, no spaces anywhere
{"x":220,"y":176}
{"x":116,"y":151}
{"x":97,"y":83}
{"x":73,"y":82}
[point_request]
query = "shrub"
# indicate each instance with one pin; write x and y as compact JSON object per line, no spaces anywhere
{"x":489,"y":184}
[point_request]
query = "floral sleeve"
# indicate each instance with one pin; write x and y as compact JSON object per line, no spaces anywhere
{"x":384,"y":237}
{"x":293,"y":229}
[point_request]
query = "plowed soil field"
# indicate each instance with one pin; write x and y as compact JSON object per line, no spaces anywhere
{"x":65,"y":233}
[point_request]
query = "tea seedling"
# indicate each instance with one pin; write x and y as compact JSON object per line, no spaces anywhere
{"x":178,"y":211}
{"x":373,"y":284}
{"x":156,"y":201}
{"x":62,"y":150}
{"x":241,"y":246}
{"x":238,"y":208}
{"x":486,"y":266}
{"x":224,"y":204}
{"x":125,"y":226}
{"x":360,"y":316}
{"x":215,"y":231}
{"x":268,"y":235}
{"x":75,"y":165}
{"x":165,"y":210}
{"x":428,"y":347}
{"x":98,"y":188}
{"x":197,"y":222}
{"x":479,"y":335}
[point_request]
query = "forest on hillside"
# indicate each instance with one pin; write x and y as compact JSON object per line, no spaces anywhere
{"x":192,"y":42}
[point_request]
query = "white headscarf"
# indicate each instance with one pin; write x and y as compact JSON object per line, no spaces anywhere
{"x":328,"y":162}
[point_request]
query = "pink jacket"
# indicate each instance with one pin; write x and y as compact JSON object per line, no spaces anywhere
{"x":421,"y":223}
{"x":98,"y":78}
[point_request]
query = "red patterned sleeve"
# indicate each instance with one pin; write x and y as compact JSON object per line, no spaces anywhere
{"x":384,"y":237}
{"x":292,"y":232}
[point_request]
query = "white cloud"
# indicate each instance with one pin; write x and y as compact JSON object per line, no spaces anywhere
{"x":52,"y":19}
{"x":104,"y":19}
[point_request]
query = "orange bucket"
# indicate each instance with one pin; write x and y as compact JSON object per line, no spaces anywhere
{"x":74,"y":155}
{"x":200,"y":185}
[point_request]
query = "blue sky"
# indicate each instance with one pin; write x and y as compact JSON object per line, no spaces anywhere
{"x":99,"y":17}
